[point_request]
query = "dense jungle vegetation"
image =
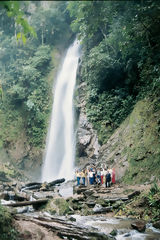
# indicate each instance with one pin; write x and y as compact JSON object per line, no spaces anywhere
{"x":29,"y":33}
{"x":120,"y":61}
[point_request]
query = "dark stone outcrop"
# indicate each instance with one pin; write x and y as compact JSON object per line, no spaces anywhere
{"x":99,"y":209}
{"x":139,"y":225}
{"x":156,"y":224}
{"x":135,"y":193}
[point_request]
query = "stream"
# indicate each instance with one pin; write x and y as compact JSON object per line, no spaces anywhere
{"x":123,"y":227}
{"x":93,"y":223}
{"x":107,"y":225}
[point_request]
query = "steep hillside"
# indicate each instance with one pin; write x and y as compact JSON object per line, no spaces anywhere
{"x":120,"y":70}
{"x":134,"y":148}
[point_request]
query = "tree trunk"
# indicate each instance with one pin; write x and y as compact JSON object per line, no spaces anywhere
{"x":26,"y":203}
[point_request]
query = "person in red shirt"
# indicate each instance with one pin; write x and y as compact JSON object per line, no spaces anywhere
{"x":113,"y":176}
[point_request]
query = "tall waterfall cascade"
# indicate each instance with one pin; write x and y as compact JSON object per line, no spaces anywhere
{"x":60,"y":146}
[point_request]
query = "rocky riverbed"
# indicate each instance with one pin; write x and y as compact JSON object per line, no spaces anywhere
{"x":65,"y":211}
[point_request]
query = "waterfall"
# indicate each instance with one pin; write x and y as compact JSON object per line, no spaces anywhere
{"x":60,"y":150}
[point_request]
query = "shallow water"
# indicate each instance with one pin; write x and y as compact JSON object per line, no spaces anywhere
{"x":106,"y":225}
{"x":123,"y":227}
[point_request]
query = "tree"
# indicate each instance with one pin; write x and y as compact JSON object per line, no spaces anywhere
{"x":13,"y":10}
{"x":121,"y":44}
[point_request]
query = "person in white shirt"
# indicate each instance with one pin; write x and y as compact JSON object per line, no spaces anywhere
{"x":90,"y":177}
{"x":110,"y":171}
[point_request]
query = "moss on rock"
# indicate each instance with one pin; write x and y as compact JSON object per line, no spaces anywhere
{"x":58,"y":206}
{"x":144,"y":154}
{"x":134,"y":148}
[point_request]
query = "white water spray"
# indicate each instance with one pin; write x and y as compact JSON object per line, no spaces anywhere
{"x":60,"y":150}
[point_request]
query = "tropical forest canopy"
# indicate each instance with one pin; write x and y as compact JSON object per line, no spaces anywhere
{"x":120,"y":61}
{"x":119,"y":72}
{"x":29,"y":31}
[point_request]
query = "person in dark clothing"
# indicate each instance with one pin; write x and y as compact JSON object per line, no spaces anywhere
{"x":108,"y":179}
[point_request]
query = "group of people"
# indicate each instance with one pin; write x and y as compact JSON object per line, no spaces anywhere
{"x":100,"y":176}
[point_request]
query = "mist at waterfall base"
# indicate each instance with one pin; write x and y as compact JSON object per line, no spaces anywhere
{"x":60,"y":150}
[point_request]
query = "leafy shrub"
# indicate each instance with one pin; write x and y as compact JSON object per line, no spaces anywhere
{"x":107,"y":110}
{"x":6,"y":229}
{"x":153,"y":199}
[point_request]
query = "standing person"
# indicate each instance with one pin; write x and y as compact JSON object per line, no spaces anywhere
{"x":98,"y":176}
{"x":104,"y":176}
{"x":90,"y":177}
{"x":94,"y":175}
{"x":78,"y":177}
{"x":87,"y":173}
{"x":86,"y":176}
{"x":83,"y":175}
{"x":113,"y":176}
{"x":101,"y":176}
{"x":108,"y":179}
{"x":110,"y":171}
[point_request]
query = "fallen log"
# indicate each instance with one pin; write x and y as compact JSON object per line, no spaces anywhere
{"x":65,"y":229}
{"x":45,"y":185}
{"x":58,"y":181}
{"x":32,"y":184}
{"x":35,"y":203}
{"x":32,"y":187}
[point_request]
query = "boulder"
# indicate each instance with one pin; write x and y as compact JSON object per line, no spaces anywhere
{"x":135,"y":193}
{"x":87,"y":140}
{"x":114,"y":232}
{"x":156,"y":224}
{"x":88,"y":192}
{"x":90,"y":204}
{"x":4,"y":177}
{"x":139,"y":225}
{"x":99,"y":209}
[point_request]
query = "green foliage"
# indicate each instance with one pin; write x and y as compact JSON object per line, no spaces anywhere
{"x":145,"y":206}
{"x":30,"y":91}
{"x":104,"y":69}
{"x":154,"y":189}
{"x":107,"y":110}
{"x":52,"y":24}
{"x":153,"y":200}
{"x":6,"y":229}
{"x":58,"y":206}
{"x":25,"y":90}
{"x":91,"y":19}
{"x":121,"y":44}
{"x":14,"y":10}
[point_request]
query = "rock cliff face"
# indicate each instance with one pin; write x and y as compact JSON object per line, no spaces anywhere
{"x":133,"y":149}
{"x":87,"y":140}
